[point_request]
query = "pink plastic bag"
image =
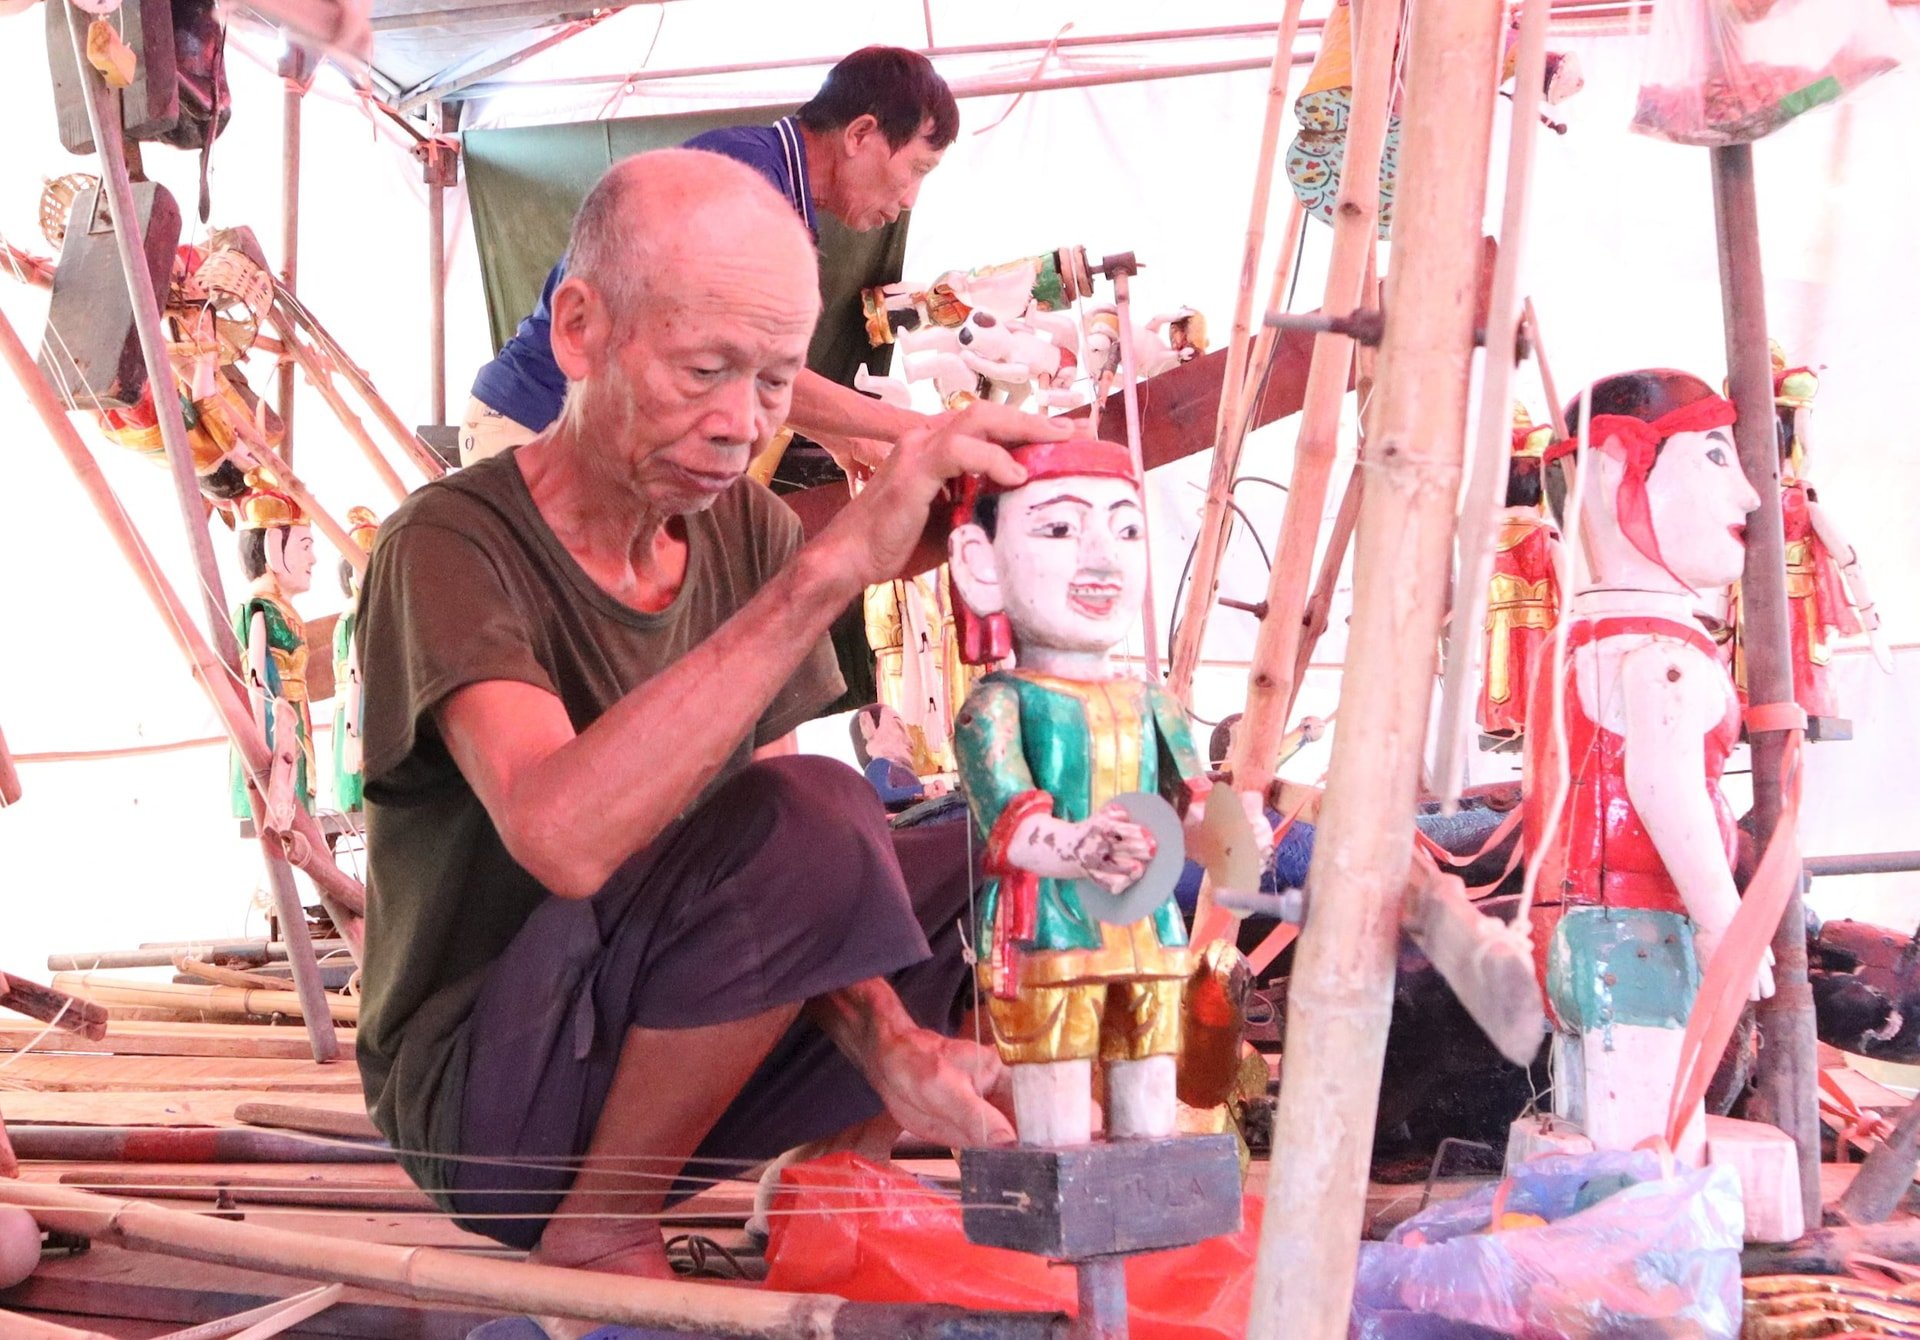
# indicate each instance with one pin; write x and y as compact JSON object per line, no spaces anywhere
{"x":842,"y":1225}
{"x":1729,"y":71}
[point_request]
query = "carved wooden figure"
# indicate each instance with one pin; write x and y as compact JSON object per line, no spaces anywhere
{"x":1073,"y":971}
{"x":349,"y":791}
{"x":1635,"y":840}
{"x":1523,"y":597}
{"x":1827,"y":592}
{"x":276,"y":554}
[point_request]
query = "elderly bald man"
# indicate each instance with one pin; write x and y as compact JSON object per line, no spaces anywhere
{"x":612,"y":916}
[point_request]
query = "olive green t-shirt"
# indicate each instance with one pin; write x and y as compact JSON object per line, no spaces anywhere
{"x":468,"y":583}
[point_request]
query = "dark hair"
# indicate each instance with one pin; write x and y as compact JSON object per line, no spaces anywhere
{"x":1646,"y":395}
{"x":896,"y":87}
{"x":986,"y":513}
{"x":253,"y":552}
{"x":1523,"y":482}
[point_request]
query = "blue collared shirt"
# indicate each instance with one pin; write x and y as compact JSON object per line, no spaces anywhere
{"x":525,"y":384}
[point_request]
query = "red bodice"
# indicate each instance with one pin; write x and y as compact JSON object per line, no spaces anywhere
{"x":1601,"y":853}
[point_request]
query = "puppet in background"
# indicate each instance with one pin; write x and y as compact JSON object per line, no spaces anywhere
{"x":276,"y":554}
{"x":890,"y":759}
{"x":1318,"y":153}
{"x":349,"y":785}
{"x":214,"y":304}
{"x":1051,"y":282}
{"x":1636,"y":879}
{"x":1523,"y":597}
{"x":1057,"y":568}
{"x":1826,"y":590}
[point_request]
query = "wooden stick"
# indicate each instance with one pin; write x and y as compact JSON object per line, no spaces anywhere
{"x":1130,"y":407}
{"x":241,"y":1325}
{"x":1887,"y":1174}
{"x":211,"y":972}
{"x":1256,"y":748}
{"x":161,"y":956}
{"x":1785,"y":1087}
{"x":1266,"y":340}
{"x":1556,"y":412}
{"x":9,"y":776}
{"x":409,"y":442}
{"x":183,"y":1144}
{"x":14,"y":1326}
{"x":346,"y":899}
{"x":210,"y":999}
{"x":240,"y":1188}
{"x":318,"y":379}
{"x":312,"y":1120}
{"x":1216,"y":521}
{"x":434,"y":1274}
{"x":1341,"y":994}
{"x":49,"y":1006}
{"x":1487,"y":484}
{"x":296,"y":488}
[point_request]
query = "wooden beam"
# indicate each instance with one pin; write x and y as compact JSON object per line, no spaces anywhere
{"x":1341,"y":994}
{"x":133,"y":1038}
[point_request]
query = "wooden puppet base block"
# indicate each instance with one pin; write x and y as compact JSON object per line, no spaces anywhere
{"x":1768,"y":1165}
{"x":1110,"y":1198}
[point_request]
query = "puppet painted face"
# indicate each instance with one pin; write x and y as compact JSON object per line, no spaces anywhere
{"x":290,"y":557}
{"x":1070,"y":558}
{"x":1699,"y":499}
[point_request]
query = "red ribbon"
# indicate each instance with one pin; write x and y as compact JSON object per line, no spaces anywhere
{"x":1636,"y":443}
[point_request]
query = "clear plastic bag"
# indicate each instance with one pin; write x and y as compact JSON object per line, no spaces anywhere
{"x":1616,"y":1249}
{"x":1729,"y":71}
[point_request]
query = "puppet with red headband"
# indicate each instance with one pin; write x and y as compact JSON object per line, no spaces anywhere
{"x":1826,"y":589}
{"x":1523,"y":594}
{"x":1635,"y":840}
{"x":1072,"y":966}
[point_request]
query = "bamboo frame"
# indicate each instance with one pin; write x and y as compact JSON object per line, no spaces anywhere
{"x":1785,"y":1085}
{"x":1341,"y":995}
{"x":1236,"y":393}
{"x":1487,"y":484}
{"x":219,"y":999}
{"x":292,"y":65}
{"x":1270,"y":684}
{"x":317,"y":378}
{"x":434,"y":1274}
{"x":343,"y":894}
{"x":289,"y":310}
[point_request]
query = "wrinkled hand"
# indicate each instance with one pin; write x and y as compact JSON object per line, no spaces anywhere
{"x":1112,"y":849}
{"x":1706,"y":943}
{"x":941,"y":1090}
{"x":878,"y":530}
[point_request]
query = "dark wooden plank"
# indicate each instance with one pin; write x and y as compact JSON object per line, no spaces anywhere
{"x":135,"y":1038}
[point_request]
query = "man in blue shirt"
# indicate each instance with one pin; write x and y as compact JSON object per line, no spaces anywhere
{"x":859,"y":151}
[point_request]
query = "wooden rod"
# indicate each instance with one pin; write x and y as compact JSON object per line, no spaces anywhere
{"x":422,"y":456}
{"x":1356,"y":221}
{"x":1784,"y":1091}
{"x":1130,"y":405}
{"x":318,"y":379}
{"x":14,"y":1326}
{"x":1217,"y":519}
{"x":296,"y":488}
{"x":292,"y":70}
{"x":1266,"y":340}
{"x":1487,"y":484}
{"x":161,"y":955}
{"x":9,"y":776}
{"x":184,"y":1144}
{"x":103,"y":119}
{"x":280,"y":1315}
{"x":436,"y":281}
{"x":210,"y":999}
{"x":74,"y":1014}
{"x":346,"y":899}
{"x":1341,"y":995}
{"x":434,"y":1274}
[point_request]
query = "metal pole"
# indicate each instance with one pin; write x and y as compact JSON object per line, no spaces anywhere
{"x":436,"y":278}
{"x":103,"y":117}
{"x":1103,"y":1300}
{"x":1341,"y":995}
{"x":292,"y":69}
{"x":1784,"y":1089}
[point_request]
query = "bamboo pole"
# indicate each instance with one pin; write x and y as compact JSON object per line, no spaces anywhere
{"x":1788,"y":1072}
{"x":103,"y":119}
{"x":292,"y":69}
{"x":233,"y":1000}
{"x":1356,"y":214}
{"x":433,"y":1274}
{"x":1267,"y":339}
{"x":1341,"y":995}
{"x":1487,"y":484}
{"x":317,"y":378}
{"x":422,"y":456}
{"x":1217,"y":519}
{"x":436,"y":275}
{"x":9,"y":776}
{"x":346,"y":899}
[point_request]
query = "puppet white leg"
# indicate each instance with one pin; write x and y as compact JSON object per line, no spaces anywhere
{"x":1628,"y":1073}
{"x":1140,"y":1101}
{"x":1053,"y":1103}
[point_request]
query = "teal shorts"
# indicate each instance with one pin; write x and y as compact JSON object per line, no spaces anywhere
{"x":1609,"y":966}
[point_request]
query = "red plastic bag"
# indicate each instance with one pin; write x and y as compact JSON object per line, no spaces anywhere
{"x":1729,"y":71}
{"x":842,"y":1225}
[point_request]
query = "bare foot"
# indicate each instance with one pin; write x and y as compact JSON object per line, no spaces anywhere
{"x":610,"y":1248}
